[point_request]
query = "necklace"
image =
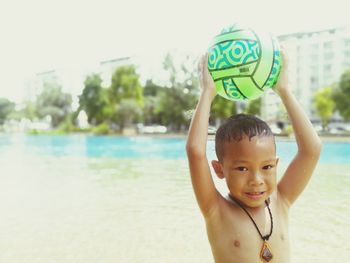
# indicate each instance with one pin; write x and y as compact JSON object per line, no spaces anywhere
{"x":265,"y":252}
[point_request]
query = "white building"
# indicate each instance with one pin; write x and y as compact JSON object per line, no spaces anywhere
{"x":72,"y":79}
{"x":316,"y":60}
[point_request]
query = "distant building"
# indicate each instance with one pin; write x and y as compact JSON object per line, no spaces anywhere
{"x":35,"y":85}
{"x":72,"y":80}
{"x":316,"y":60}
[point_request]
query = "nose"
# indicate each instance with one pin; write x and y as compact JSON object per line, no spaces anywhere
{"x":256,"y":180}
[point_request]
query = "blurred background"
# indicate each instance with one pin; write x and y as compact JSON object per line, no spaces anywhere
{"x":126,"y":71}
{"x":103,"y":66}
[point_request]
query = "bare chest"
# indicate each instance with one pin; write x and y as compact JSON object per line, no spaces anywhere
{"x":236,"y":239}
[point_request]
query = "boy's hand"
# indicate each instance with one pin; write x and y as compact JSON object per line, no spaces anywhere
{"x":282,"y":83}
{"x":205,"y":80}
{"x":196,"y":146}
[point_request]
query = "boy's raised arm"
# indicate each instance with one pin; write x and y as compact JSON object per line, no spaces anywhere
{"x":202,"y":181}
{"x":301,"y":168}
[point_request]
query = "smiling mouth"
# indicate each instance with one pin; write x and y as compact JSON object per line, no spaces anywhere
{"x":254,"y":195}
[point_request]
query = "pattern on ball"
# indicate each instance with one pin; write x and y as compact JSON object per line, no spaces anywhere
{"x":243,"y":62}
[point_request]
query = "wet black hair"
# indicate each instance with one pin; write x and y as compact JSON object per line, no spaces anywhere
{"x":236,"y":127}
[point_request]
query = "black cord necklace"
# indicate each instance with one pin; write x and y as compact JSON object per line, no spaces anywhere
{"x":265,"y":252}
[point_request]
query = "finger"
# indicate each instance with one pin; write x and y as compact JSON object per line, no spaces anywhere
{"x":200,"y":63}
{"x":206,"y":58}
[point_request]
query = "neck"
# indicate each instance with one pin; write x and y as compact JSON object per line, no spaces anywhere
{"x":250,"y":209}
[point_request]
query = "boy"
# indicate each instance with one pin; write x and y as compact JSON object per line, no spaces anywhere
{"x":250,"y":224}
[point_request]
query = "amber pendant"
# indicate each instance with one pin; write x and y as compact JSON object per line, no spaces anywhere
{"x":265,"y":252}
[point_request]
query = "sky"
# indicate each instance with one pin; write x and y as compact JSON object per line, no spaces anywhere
{"x":42,"y":35}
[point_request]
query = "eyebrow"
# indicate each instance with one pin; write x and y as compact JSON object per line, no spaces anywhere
{"x":243,"y":161}
{"x":269,"y":160}
{"x":240,"y":161}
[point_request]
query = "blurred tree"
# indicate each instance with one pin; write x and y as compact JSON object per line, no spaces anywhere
{"x":54,"y":103}
{"x":127,"y":111}
{"x":341,"y":95}
{"x":181,"y":92}
{"x":222,"y":108}
{"x":125,"y":85}
{"x":151,"y":89}
{"x":6,"y":108}
{"x":324,"y":105}
{"x":93,"y":100}
{"x":151,"y":93}
{"x":125,"y":96}
{"x":29,"y":110}
{"x":254,"y":107}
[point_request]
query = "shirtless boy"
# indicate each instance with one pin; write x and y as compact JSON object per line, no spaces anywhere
{"x":250,"y":224}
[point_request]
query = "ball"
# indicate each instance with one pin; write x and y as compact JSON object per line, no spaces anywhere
{"x":243,"y":62}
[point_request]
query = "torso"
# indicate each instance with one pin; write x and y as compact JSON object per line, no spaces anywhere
{"x":234,"y":238}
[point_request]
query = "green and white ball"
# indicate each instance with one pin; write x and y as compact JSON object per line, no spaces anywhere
{"x":244,"y":62}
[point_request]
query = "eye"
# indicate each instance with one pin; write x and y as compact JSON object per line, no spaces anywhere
{"x":242,"y":168}
{"x":268,"y":167}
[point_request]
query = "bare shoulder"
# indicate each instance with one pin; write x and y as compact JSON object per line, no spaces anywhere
{"x":224,"y":224}
{"x":225,"y":208}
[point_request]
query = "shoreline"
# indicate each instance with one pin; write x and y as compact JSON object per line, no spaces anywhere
{"x":211,"y":137}
{"x":325,"y":138}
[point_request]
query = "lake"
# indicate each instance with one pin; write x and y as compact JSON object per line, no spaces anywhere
{"x":82,"y":198}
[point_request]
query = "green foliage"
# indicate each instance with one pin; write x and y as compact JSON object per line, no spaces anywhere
{"x":6,"y":108}
{"x":93,"y":100}
{"x":125,"y":85}
{"x":151,"y":89}
{"x":150,"y":115}
{"x":101,"y":129}
{"x":127,"y":111}
{"x":54,"y":103}
{"x":222,"y":108}
{"x":125,"y":96}
{"x":181,"y":94}
{"x":324,"y":105}
{"x":29,"y":110}
{"x":173,"y":104}
{"x":151,"y":92}
{"x":254,"y":107}
{"x":33,"y":132}
{"x":289,"y":130}
{"x":68,"y":125}
{"x":341,"y":95}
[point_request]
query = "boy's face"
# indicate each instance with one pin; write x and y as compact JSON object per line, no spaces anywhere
{"x":249,"y":167}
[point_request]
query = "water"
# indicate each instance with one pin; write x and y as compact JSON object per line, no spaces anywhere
{"x":143,"y":147}
{"x":117,"y":199}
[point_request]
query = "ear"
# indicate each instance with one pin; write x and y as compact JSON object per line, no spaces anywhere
{"x":218,"y":169}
